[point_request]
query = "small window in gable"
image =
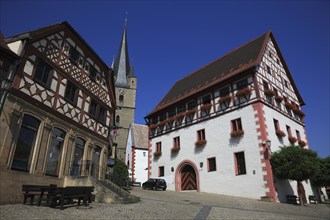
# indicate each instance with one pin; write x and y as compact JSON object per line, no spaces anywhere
{"x":43,"y":73}
{"x":93,"y":108}
{"x":102,"y":114}
{"x":71,"y":93}
{"x":92,"y":73}
{"x":74,"y":55}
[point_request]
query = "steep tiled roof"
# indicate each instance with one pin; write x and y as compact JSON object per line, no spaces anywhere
{"x":140,"y":136}
{"x":234,"y":62}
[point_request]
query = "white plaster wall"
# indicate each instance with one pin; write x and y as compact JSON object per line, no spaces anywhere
{"x":16,"y":47}
{"x":284,"y":187}
{"x":141,"y":163}
{"x":129,"y":144}
{"x":219,"y":145}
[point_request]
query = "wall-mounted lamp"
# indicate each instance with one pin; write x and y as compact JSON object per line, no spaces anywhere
{"x":267,"y":143}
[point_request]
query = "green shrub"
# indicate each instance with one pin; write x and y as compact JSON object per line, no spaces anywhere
{"x":119,"y":174}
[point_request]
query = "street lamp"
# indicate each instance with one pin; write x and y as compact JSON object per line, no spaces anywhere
{"x":268,"y":144}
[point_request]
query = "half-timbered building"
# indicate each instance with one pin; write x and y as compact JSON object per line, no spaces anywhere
{"x":56,"y":118}
{"x":214,"y":129}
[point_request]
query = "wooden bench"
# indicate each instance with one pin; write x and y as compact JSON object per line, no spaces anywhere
{"x":71,"y":195}
{"x":292,"y":199}
{"x":30,"y":191}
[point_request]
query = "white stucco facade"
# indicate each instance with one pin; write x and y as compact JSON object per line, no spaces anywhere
{"x":221,"y":146}
{"x":141,"y":165}
{"x":137,"y":153}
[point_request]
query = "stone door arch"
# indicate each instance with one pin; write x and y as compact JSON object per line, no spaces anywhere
{"x":187,"y":177}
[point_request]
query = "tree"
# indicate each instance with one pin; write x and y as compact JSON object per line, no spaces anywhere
{"x":295,"y":163}
{"x":119,"y":174}
{"x":322,"y":174}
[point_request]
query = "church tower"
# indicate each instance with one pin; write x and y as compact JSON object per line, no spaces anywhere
{"x":125,"y":87}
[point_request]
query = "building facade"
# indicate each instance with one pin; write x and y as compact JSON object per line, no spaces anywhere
{"x":57,"y":115}
{"x":125,"y":86}
{"x":214,"y":130}
{"x":137,"y":153}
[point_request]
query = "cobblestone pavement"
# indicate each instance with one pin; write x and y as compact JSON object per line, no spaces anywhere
{"x":172,"y":205}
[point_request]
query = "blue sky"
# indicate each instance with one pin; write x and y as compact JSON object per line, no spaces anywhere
{"x":170,"y":39}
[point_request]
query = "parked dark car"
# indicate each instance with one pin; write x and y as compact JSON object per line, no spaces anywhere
{"x":154,"y":184}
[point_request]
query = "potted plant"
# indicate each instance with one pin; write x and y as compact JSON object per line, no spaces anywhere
{"x":179,"y":115}
{"x":298,"y":111}
{"x":302,"y":143}
{"x":243,"y":92}
{"x":206,"y":106}
{"x":292,"y":139}
{"x":237,"y":133}
{"x":162,"y":123}
{"x":170,"y":120}
{"x":269,"y":92}
{"x":157,"y":153}
{"x":280,"y":133}
{"x":190,"y":111}
{"x":225,"y":100}
{"x":200,"y":143}
{"x":152,"y":126}
{"x":289,"y":105}
{"x":279,"y":98}
{"x":175,"y":149}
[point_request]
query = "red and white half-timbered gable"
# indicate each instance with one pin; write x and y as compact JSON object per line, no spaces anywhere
{"x":210,"y":131}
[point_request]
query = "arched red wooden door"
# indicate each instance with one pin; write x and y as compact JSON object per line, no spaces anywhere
{"x":188,"y":178}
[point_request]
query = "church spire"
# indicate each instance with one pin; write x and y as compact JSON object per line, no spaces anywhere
{"x":122,"y":66}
